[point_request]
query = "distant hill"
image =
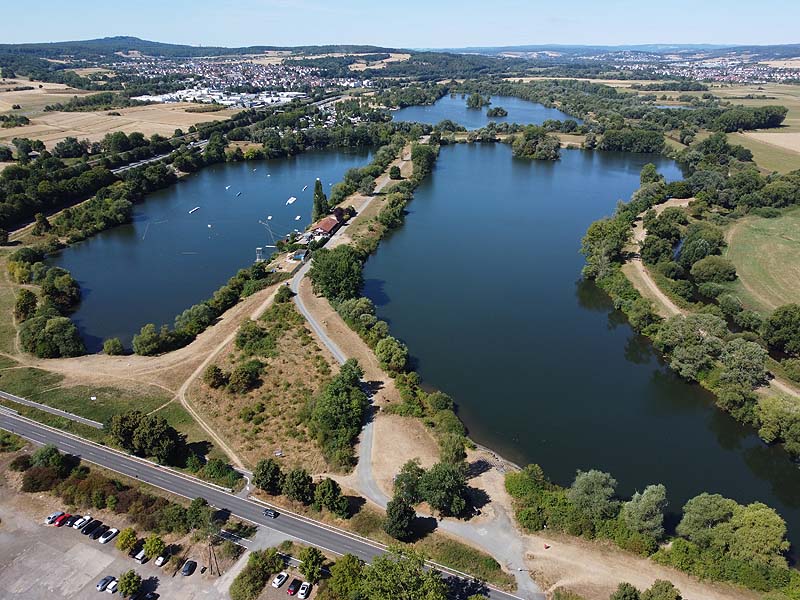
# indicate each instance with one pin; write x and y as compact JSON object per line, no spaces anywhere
{"x":104,"y":47}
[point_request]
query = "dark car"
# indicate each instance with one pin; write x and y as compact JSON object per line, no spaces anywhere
{"x":293,"y":587}
{"x":71,"y":521}
{"x":188,"y":567}
{"x":142,"y":595}
{"x":272,"y":514}
{"x":99,"y":531}
{"x":91,"y":526}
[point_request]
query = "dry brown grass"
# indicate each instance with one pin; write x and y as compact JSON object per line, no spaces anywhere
{"x":292,"y":375}
{"x":52,"y":127}
{"x":33,"y":101}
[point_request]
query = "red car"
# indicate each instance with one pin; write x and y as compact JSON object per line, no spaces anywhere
{"x":60,"y":520}
{"x":293,"y":587}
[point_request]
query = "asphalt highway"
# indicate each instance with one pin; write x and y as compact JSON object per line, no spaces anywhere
{"x":312,"y":532}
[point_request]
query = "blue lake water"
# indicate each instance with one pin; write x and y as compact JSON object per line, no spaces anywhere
{"x":455,"y":108}
{"x":168,"y":259}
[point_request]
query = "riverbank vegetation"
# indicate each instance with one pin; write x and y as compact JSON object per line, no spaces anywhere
{"x":717,"y":538}
{"x":724,"y":345}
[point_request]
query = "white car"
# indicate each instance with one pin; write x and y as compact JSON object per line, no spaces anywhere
{"x":81,"y":522}
{"x":162,"y":560}
{"x":112,"y":587}
{"x":304,"y":591}
{"x":48,"y":520}
{"x":280,"y":579}
{"x":108,"y":536}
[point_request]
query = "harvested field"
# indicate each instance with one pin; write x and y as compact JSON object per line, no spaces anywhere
{"x":766,"y":253}
{"x":772,"y":151}
{"x":163,"y":119}
{"x":269,"y":418}
{"x":34,"y":101}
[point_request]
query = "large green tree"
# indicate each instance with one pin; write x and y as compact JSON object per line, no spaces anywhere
{"x":399,"y":519}
{"x":644,"y":512}
{"x":268,"y":476}
{"x":444,"y":487}
{"x":401,"y":575}
{"x":337,"y":274}
{"x":593,"y":493}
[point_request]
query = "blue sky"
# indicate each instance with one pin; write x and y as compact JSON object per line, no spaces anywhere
{"x":407,"y":23}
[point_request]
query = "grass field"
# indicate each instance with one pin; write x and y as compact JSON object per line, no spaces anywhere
{"x":771,"y":151}
{"x":766,"y":253}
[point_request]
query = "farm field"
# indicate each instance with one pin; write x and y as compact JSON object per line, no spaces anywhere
{"x":766,"y":253}
{"x":52,"y":127}
{"x":33,"y":101}
{"x":771,"y":151}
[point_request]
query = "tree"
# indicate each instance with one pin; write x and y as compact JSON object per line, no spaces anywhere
{"x":284,"y":294}
{"x":782,"y":329}
{"x":311,"y":563}
{"x":49,"y":456}
{"x":337,"y":274}
{"x":366,"y":186}
{"x":198,"y":515}
{"x":592,"y":493}
{"x":346,"y":576}
{"x":215,"y":377}
{"x":394,"y":172}
{"x":268,"y":476}
{"x":755,"y":533}
{"x":245,"y":377}
{"x":406,"y":484}
{"x":702,"y":514}
{"x":41,"y":225}
{"x":400,"y":517}
{"x":126,"y":540}
{"x":644,"y":513}
{"x":3,"y":232}
{"x":154,"y":547}
{"x":113,"y":346}
{"x":744,"y":363}
{"x":25,"y":305}
{"x":625,"y":591}
{"x":320,"y":207}
{"x":392,"y":354}
{"x":444,"y":487}
{"x":452,"y":448}
{"x":298,"y":486}
{"x":401,"y":575}
{"x":661,"y":590}
{"x":129,"y":583}
{"x":649,"y":174}
{"x":713,"y":268}
{"x":536,"y":143}
{"x":328,"y":495}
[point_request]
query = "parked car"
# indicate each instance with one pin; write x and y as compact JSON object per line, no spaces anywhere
{"x":304,"y":591}
{"x":112,"y":587}
{"x":140,"y":557}
{"x":142,"y":595}
{"x":188,"y":568}
{"x":71,"y":521}
{"x":293,"y":587}
{"x":81,"y":522}
{"x":272,"y":514}
{"x":60,"y":520}
{"x":91,"y":526}
{"x":108,"y":536}
{"x":162,"y":560}
{"x":48,"y":520}
{"x":280,"y":579}
{"x":103,"y":583}
{"x":97,"y":533}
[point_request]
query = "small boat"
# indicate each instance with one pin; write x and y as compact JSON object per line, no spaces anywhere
{"x":194,"y":209}
{"x":305,"y":187}
{"x":291,"y":200}
{"x":227,"y":187}
{"x":254,"y":170}
{"x":239,"y":194}
{"x":268,"y":175}
{"x":209,"y":225}
{"x":297,"y":218}
{"x":269,"y":218}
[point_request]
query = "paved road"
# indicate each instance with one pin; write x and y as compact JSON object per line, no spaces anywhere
{"x":140,"y":163}
{"x":51,"y":410}
{"x":307,"y":530}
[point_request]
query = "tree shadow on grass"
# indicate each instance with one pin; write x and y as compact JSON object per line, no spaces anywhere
{"x":355,"y":504}
{"x":422,"y":527}
{"x":464,"y":588}
{"x":478,"y":468}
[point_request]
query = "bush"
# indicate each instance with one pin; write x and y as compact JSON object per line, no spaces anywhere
{"x":713,"y":269}
{"x":113,"y":346}
{"x":249,"y":583}
{"x":40,"y":479}
{"x":20,"y":463}
{"x":215,"y":377}
{"x":245,"y":377}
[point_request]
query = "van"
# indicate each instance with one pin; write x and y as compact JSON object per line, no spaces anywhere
{"x":140,"y":557}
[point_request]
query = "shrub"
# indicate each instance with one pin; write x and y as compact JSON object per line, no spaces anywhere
{"x":713,"y":269}
{"x":113,"y":346}
{"x":215,"y":377}
{"x":20,"y":463}
{"x":40,"y":479}
{"x":249,"y":583}
{"x":245,"y":377}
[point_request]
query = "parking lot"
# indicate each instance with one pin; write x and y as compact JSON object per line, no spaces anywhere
{"x":39,"y":561}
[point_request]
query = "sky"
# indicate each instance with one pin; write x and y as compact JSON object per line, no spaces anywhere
{"x":407,"y":23}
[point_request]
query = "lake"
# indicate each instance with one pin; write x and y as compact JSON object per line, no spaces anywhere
{"x":168,"y":259}
{"x":483,"y":282}
{"x":455,"y":108}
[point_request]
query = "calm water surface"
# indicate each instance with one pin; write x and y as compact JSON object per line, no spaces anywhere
{"x":167,"y":259}
{"x":455,"y":108}
{"x":483,"y":283}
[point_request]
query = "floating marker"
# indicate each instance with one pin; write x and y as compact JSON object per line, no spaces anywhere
{"x":194,"y":209}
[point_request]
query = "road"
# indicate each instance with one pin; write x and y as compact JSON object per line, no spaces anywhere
{"x":140,"y":163}
{"x":309,"y":531}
